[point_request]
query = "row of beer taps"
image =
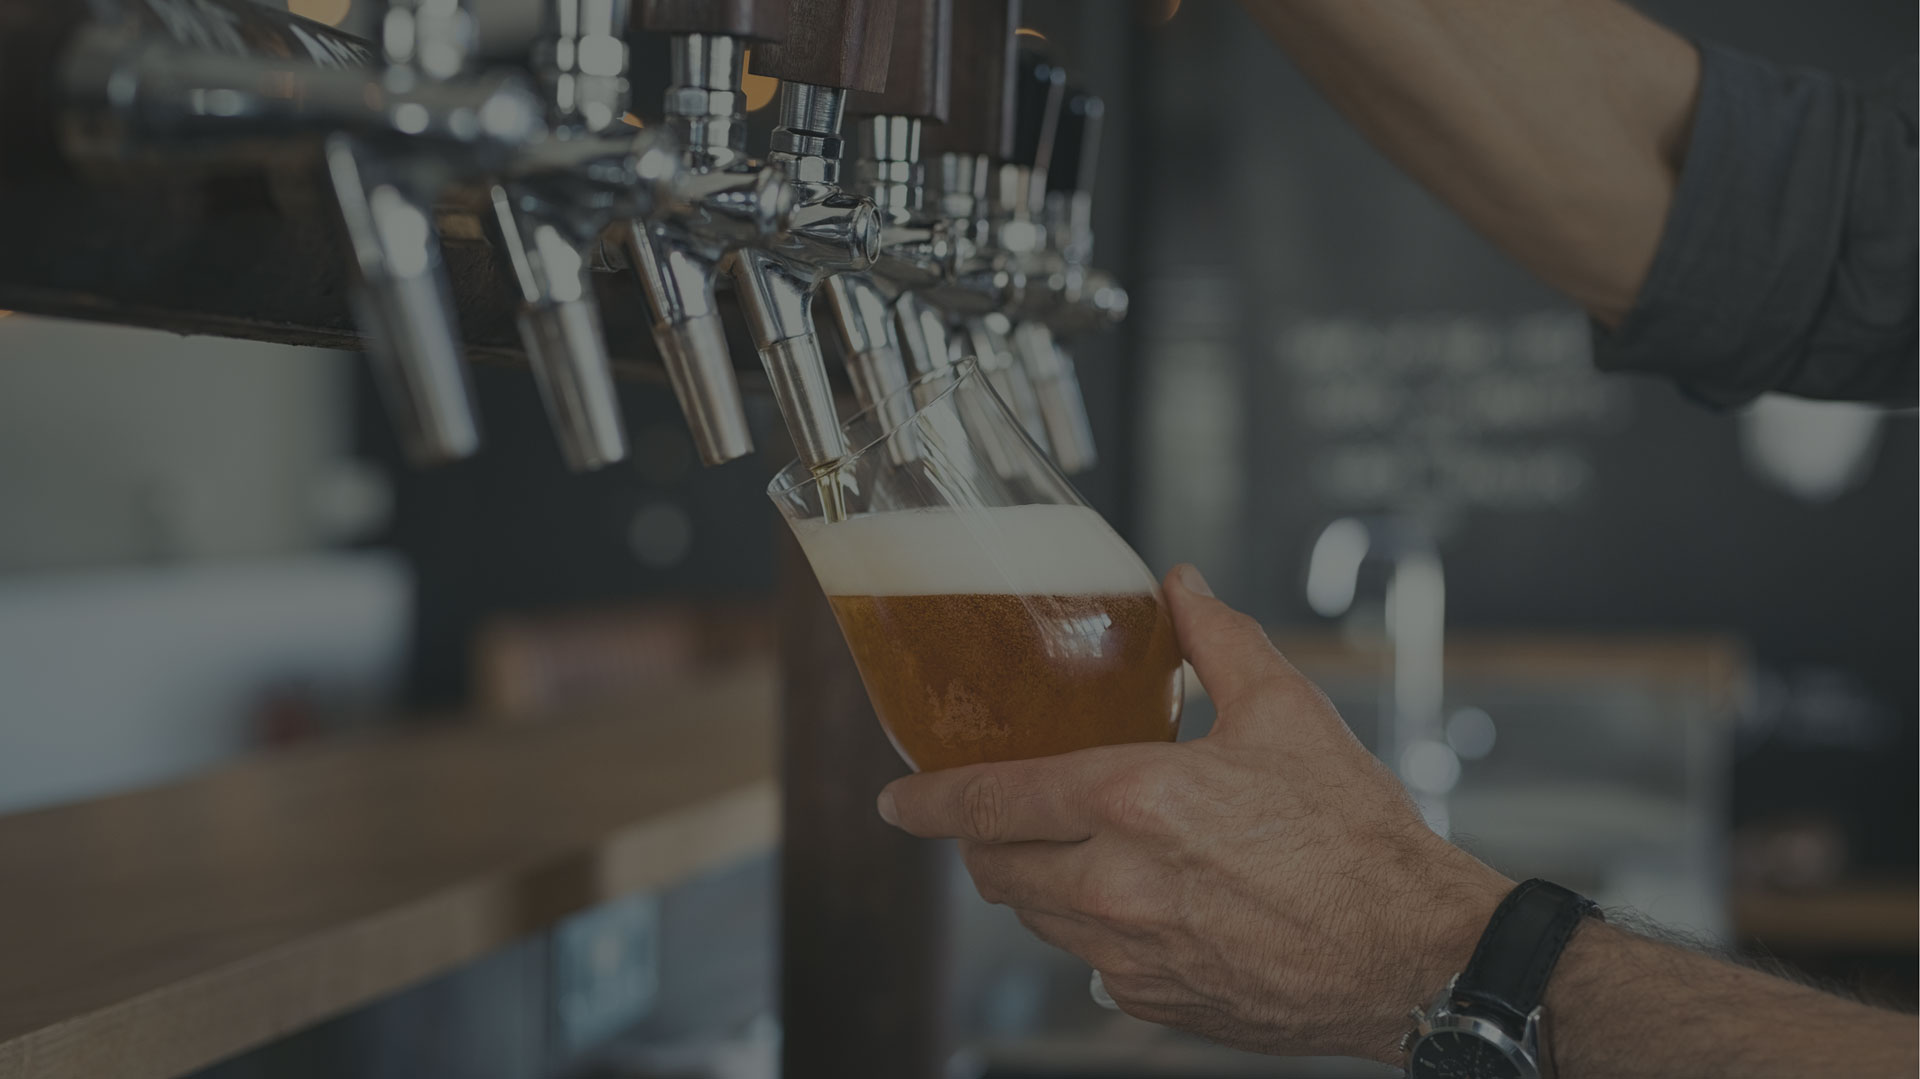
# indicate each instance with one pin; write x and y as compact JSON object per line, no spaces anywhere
{"x":920,"y":262}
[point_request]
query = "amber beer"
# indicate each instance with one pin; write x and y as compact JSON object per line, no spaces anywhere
{"x":1000,"y":633}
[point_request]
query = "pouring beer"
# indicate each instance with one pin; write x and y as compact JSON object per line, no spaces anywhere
{"x":993,"y":615}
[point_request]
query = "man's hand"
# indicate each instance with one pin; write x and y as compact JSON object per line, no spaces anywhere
{"x":1269,"y":886}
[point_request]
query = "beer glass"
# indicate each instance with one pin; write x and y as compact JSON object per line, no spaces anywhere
{"x":992,"y":613}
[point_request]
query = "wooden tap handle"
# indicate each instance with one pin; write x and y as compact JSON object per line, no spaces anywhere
{"x":920,"y":71}
{"x":842,"y":43}
{"x":980,"y":117}
{"x":1039,"y":86}
{"x":763,"y":20}
{"x":1076,"y":146}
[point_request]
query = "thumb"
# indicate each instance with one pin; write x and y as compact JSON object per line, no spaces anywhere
{"x":1229,"y":650}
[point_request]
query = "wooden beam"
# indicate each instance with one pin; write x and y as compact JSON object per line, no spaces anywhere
{"x":232,"y":259}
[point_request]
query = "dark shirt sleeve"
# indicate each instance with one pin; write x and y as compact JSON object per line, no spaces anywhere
{"x":1788,"y":260}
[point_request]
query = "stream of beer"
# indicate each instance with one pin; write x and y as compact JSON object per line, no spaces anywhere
{"x":833,"y":502}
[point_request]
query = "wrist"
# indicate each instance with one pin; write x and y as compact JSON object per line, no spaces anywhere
{"x":1441,"y":926}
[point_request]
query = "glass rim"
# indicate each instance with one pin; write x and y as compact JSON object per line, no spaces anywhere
{"x":955,"y":374}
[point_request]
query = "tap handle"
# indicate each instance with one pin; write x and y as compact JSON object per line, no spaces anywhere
{"x":762,"y":20}
{"x":920,"y":71}
{"x":1039,"y":87}
{"x":1076,"y":146}
{"x":979,"y":118}
{"x":840,"y":43}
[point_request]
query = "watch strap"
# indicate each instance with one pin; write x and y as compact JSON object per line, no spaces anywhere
{"x":1507,"y":976}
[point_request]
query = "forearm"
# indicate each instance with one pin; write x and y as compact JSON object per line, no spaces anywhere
{"x":1625,"y":1007}
{"x":1555,"y":127}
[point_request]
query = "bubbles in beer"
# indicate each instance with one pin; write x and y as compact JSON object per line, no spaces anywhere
{"x":1000,"y":634}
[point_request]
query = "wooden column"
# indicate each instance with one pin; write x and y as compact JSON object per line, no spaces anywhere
{"x":864,"y":920}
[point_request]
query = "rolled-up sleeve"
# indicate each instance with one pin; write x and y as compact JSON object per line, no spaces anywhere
{"x":1788,"y":259}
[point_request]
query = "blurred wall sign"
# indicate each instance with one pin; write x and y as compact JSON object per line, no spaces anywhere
{"x":1448,"y":412}
{"x":605,"y":970}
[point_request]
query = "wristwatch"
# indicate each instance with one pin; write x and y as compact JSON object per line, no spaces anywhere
{"x":1489,"y":1023}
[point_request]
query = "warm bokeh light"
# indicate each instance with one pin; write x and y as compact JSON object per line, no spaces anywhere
{"x":632,"y":121}
{"x":1167,"y":10}
{"x":758,"y":88}
{"x":1028,"y":31}
{"x":326,"y":11}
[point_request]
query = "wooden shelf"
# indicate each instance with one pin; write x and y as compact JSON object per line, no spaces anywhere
{"x":1865,"y":916}
{"x":153,"y":933}
{"x":1711,"y":665}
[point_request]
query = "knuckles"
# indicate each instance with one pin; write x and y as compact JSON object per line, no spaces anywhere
{"x":1141,"y":799}
{"x":983,"y":807}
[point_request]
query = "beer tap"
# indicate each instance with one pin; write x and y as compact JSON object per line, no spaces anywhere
{"x":1063,"y":293}
{"x":395,"y":122}
{"x":727,"y":203}
{"x":966,"y":154}
{"x":551,"y":209}
{"x":889,"y":334}
{"x":385,"y":189}
{"x":834,"y":46}
{"x":1089,"y":298}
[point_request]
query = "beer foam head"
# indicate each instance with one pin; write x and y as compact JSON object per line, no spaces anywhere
{"x":1005,"y":550}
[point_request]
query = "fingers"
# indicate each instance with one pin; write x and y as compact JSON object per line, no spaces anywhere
{"x":1042,"y":877}
{"x":1229,"y":650}
{"x":1012,"y":802}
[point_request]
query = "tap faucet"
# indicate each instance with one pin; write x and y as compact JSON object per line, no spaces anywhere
{"x":1088,"y":298}
{"x":1017,"y":228}
{"x":727,"y":203}
{"x":550,"y":210}
{"x":841,"y":46}
{"x":1412,"y":739}
{"x":1065,"y":294}
{"x":395,"y":122}
{"x":385,"y":189}
{"x":881,"y":319}
{"x":964,"y":155}
{"x":889,"y":334}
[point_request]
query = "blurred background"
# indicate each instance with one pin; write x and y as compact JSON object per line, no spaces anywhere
{"x":1680,"y":644}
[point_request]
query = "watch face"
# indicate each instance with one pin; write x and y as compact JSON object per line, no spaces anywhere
{"x":1457,"y":1054}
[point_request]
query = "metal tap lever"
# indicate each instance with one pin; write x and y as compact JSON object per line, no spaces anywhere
{"x":965,"y":159}
{"x":723,"y":202}
{"x":393,"y":126}
{"x":385,"y":191}
{"x":830,"y":232}
{"x":834,"y":46}
{"x":402,"y":301}
{"x":1078,"y":296}
{"x":884,"y":326}
{"x":1020,"y":228}
{"x":549,"y":213}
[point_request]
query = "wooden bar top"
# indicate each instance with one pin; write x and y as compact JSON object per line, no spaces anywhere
{"x":150,"y":934}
